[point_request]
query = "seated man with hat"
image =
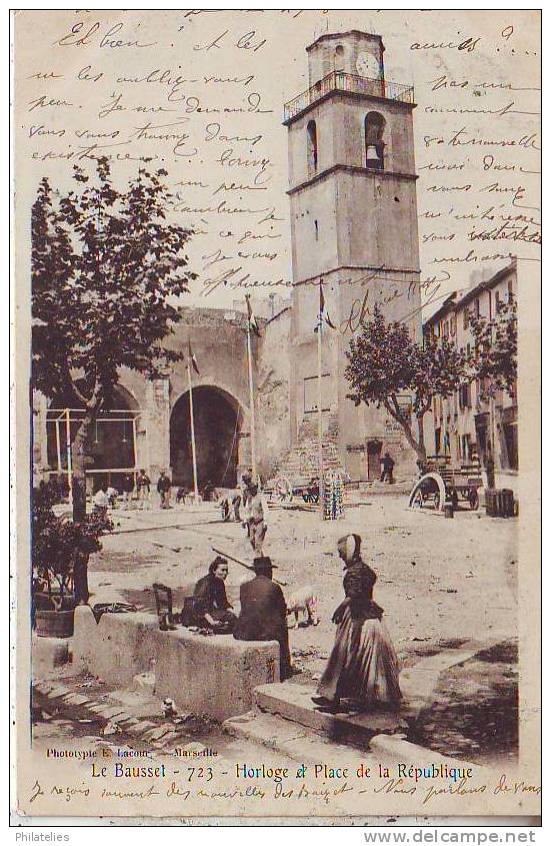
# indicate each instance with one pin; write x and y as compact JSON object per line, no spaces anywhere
{"x":264,"y":613}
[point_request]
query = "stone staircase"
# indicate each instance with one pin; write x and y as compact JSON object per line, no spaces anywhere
{"x":301,"y":463}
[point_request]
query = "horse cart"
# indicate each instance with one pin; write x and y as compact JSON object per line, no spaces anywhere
{"x":283,"y":489}
{"x":441,"y":483}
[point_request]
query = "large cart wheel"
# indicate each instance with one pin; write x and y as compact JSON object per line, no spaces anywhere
{"x":430,"y":487}
{"x":473,"y":499}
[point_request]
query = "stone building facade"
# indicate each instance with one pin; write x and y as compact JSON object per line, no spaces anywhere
{"x":463,"y":426}
{"x":148,"y":424}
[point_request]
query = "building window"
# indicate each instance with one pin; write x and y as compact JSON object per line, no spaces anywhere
{"x":312,"y":147}
{"x":511,"y":443}
{"x":453,"y":327}
{"x":477,"y":307}
{"x":374,"y":126}
{"x":466,"y":316}
{"x":510,"y":290}
{"x":465,"y":396}
{"x":497,"y":302}
{"x":446,"y":330}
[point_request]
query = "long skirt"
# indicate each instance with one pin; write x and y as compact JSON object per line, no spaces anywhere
{"x":363,"y":665}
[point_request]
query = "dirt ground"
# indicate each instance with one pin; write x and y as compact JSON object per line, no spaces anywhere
{"x":441,"y":582}
{"x":448,"y":587}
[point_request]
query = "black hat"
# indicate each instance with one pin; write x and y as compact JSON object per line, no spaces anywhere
{"x":263,"y":562}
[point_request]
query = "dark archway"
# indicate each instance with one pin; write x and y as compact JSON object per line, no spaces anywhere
{"x":217,"y":425}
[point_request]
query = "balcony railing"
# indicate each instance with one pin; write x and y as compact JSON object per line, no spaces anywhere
{"x":341,"y":81}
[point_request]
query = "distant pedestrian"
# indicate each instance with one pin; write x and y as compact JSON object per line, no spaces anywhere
{"x":387,"y":468}
{"x":127,"y":488}
{"x":100,"y":502}
{"x":208,"y":491}
{"x":257,"y":516}
{"x":163,"y":487}
{"x":236,"y":503}
{"x":225,"y":508}
{"x":112,"y":495}
{"x":246,"y":482}
{"x":143,"y":488}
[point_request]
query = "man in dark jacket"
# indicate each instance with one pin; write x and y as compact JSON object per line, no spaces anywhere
{"x":163,"y":487}
{"x":387,"y":468}
{"x":264,"y":613}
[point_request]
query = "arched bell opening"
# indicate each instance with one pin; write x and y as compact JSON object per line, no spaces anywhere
{"x":312,"y":147}
{"x":374,"y":126}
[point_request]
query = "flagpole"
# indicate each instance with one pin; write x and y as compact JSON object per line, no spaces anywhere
{"x":320,"y":423}
{"x":69,"y":455}
{"x":194,"y":455}
{"x":251,"y":401}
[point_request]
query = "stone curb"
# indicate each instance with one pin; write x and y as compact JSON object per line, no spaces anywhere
{"x":64,"y":699}
{"x":399,"y":750}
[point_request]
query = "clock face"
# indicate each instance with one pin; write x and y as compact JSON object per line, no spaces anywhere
{"x":368,"y":65}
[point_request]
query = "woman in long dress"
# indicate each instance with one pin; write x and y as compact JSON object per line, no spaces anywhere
{"x":363,"y":665}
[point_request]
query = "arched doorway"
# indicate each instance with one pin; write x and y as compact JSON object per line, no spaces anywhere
{"x":111,"y":442}
{"x":217,"y":421}
{"x":374,"y":449}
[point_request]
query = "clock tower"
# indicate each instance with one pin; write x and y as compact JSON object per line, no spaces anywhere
{"x":354,"y":225}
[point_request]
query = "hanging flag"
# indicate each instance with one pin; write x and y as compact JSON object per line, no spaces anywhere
{"x":250,"y":315}
{"x":323,"y":314}
{"x":192,"y":359}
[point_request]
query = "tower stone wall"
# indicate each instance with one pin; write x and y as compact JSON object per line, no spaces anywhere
{"x":353,"y":207}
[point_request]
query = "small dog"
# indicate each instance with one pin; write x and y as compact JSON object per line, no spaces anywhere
{"x":303,"y":600}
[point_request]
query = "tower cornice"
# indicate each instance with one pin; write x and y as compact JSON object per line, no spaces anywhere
{"x":355,"y":170}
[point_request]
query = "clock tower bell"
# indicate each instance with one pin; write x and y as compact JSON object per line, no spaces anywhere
{"x":354,"y":225}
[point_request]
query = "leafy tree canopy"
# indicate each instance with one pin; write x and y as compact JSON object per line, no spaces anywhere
{"x":494,"y":360}
{"x":105,"y":266}
{"x":385,"y":363}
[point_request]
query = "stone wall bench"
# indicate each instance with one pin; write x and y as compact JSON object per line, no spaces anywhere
{"x":211,"y":675}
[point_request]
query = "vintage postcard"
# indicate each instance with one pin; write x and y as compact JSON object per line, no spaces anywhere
{"x":277,"y":330}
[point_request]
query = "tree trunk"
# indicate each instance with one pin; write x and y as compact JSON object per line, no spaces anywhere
{"x":421,"y":451}
{"x":78,"y":465}
{"x":418,"y":446}
{"x":80,"y":579}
